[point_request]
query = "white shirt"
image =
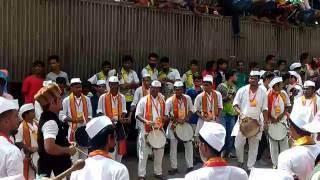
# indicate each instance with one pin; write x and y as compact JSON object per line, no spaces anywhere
{"x":308,"y":108}
{"x":66,"y":111}
{"x":132,"y":77}
{"x":169,"y":105}
{"x":279,"y":102}
{"x":198,"y":101}
{"x":50,"y":129}
{"x":299,"y":160}
{"x":169,"y":111}
{"x":242,"y":100}
{"x":217,"y":173}
{"x":173,"y":75}
{"x":141,"y":107}
{"x":94,"y":78}
{"x":138,"y":94}
{"x":53,"y":76}
{"x":38,"y":110}
{"x":33,"y":130}
{"x":101,"y":168}
{"x":11,"y":161}
{"x":114,"y":100}
{"x":154,"y":75}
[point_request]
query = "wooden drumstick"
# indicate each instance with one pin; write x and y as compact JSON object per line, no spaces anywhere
{"x":80,"y":151}
{"x":76,"y":166}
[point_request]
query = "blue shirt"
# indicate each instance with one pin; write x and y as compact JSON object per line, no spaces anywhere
{"x":193,"y":94}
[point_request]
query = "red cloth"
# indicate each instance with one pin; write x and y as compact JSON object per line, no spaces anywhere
{"x":30,"y":86}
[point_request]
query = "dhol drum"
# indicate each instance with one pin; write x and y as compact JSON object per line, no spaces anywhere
{"x":183,"y":132}
{"x":249,"y":127}
{"x":82,"y":138}
{"x":156,"y":139}
{"x":277,"y":131}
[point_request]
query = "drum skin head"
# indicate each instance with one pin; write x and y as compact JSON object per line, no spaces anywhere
{"x":249,"y":127}
{"x":277,"y":131}
{"x":183,"y":132}
{"x":156,"y":139}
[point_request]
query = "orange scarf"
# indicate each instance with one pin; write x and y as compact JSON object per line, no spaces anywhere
{"x":175,"y":102}
{"x":148,"y":114}
{"x":215,"y":162}
{"x":99,"y":152}
{"x":305,"y":140}
{"x":271,"y":96}
{"x":74,"y":112}
{"x":27,"y":142}
{"x":314,"y":99}
{"x":108,"y":106}
{"x":214,"y":102}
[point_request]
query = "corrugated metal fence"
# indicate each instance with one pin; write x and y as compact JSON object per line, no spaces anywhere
{"x":86,"y":32}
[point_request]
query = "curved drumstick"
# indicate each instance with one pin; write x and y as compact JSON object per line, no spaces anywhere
{"x":76,"y":166}
{"x":80,"y":151}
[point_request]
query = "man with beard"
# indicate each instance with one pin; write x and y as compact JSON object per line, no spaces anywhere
{"x":151,"y":68}
{"x":212,"y":136}
{"x":99,"y":164}
{"x":249,"y":102}
{"x":104,"y":74}
{"x":10,"y":156}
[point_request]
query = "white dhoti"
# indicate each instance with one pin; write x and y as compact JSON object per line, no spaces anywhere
{"x":144,"y":151}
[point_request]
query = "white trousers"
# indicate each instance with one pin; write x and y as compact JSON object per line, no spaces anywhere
{"x":276,"y":147}
{"x":188,"y":153}
{"x":239,"y":143}
{"x":144,"y":151}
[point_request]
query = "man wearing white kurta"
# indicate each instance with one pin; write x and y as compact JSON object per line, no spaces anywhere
{"x":139,"y":93}
{"x":300,"y":159}
{"x":156,"y":114}
{"x":213,"y":99}
{"x":184,"y":112}
{"x":250,"y":101}
{"x":28,"y":140}
{"x":278,"y":104}
{"x":212,"y":139}
{"x":10,"y":156}
{"x":113,"y":97}
{"x":99,"y":165}
{"x":309,"y":102}
{"x":81,"y":108}
{"x":268,"y":174}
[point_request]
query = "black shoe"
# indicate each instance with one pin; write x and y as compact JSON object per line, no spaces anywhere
{"x":189,"y":169}
{"x":172,"y":172}
{"x":159,"y":176}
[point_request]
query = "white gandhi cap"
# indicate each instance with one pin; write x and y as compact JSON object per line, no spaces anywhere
{"x":6,"y":105}
{"x":208,"y":78}
{"x":24,"y":108}
{"x":156,"y":83}
{"x":309,"y":84}
{"x":144,"y":75}
{"x":178,"y":84}
{"x":75,"y":81}
{"x":101,"y":82}
{"x":255,"y":73}
{"x":95,"y":125}
{"x":113,"y":79}
{"x":274,"y":81}
{"x":214,"y":134}
{"x":295,"y":65}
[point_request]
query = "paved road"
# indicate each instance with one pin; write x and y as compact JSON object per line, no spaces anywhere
{"x":132,"y":164}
